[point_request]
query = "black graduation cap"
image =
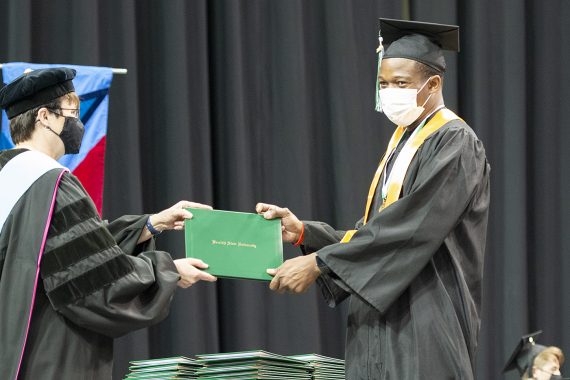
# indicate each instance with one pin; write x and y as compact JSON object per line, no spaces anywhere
{"x":36,"y":88}
{"x":419,"y":41}
{"x":524,"y":354}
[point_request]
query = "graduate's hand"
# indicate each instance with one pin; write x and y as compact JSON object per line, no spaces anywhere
{"x":295,"y":275}
{"x":291,"y":226}
{"x":173,"y":218}
{"x":190,"y":273}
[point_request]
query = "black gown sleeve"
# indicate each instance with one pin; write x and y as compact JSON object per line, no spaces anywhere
{"x":334,"y":291}
{"x":127,"y":230}
{"x":90,"y":280}
{"x":387,"y":253}
{"x":317,"y":236}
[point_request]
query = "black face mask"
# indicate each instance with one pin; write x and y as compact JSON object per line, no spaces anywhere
{"x":71,"y":134}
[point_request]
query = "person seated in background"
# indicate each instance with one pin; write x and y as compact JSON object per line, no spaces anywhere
{"x":535,"y":361}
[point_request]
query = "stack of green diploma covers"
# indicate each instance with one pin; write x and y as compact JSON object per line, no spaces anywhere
{"x":324,"y":367}
{"x":234,"y":244}
{"x":246,"y":365}
{"x":252,"y":365}
{"x":168,"y":368}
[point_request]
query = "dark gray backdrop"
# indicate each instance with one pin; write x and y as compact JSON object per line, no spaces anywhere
{"x":231,"y":102}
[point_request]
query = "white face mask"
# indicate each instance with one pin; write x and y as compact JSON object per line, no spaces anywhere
{"x":400,"y":104}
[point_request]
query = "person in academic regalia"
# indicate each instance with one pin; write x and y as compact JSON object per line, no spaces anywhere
{"x":413,"y":266}
{"x":70,"y":282}
{"x":535,"y":361}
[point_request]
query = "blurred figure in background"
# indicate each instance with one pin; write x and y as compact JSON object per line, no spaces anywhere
{"x":534,"y":361}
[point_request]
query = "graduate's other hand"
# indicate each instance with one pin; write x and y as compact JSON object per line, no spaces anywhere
{"x":291,"y":226}
{"x":173,"y":218}
{"x":295,"y":275}
{"x":190,"y":273}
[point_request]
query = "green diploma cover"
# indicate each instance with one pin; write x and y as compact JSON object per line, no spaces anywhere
{"x":234,"y":244}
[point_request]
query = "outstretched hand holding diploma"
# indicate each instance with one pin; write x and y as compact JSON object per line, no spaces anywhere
{"x":297,"y":274}
{"x":173,"y":219}
{"x":190,"y":273}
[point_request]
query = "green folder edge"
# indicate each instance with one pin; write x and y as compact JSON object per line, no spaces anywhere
{"x":279,"y":245}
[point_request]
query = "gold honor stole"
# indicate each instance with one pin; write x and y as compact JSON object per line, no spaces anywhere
{"x":400,"y":168}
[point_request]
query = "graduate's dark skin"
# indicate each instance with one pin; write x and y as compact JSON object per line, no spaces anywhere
{"x":298,"y":274}
{"x":405,"y":73}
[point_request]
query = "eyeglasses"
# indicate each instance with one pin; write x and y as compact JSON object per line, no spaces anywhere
{"x":75,"y":112}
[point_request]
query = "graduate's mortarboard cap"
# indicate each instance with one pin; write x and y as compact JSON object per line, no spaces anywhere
{"x":35,"y":88}
{"x":524,"y":354}
{"x":420,"y":41}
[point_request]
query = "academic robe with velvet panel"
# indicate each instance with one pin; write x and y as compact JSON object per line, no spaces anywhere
{"x":413,"y":272}
{"x":95,"y":283}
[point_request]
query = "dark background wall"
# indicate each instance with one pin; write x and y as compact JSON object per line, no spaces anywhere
{"x":231,"y":102}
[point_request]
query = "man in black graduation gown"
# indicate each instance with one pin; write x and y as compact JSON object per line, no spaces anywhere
{"x":413,"y":266}
{"x":70,"y":282}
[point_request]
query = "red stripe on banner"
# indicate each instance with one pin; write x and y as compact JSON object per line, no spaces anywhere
{"x":91,"y":173}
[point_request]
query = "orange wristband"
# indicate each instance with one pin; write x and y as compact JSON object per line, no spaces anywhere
{"x":301,"y":237}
